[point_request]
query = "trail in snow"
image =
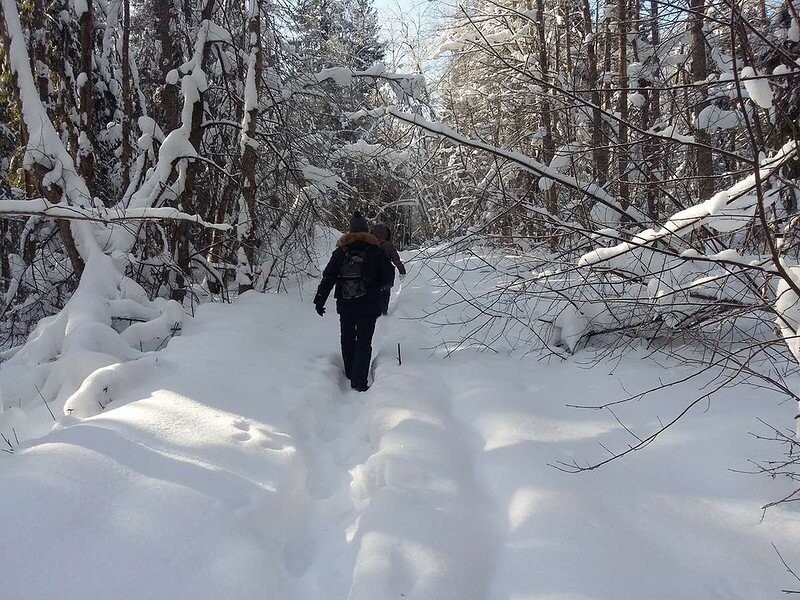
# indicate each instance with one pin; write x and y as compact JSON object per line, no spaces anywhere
{"x":237,"y":463}
{"x":392,"y":509}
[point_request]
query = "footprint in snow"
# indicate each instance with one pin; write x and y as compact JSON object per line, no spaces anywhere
{"x":244,"y":430}
{"x":262,"y":435}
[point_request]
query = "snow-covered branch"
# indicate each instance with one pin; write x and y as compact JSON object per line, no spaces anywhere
{"x":45,"y":147}
{"x":590,"y":189}
{"x":44,"y":208}
{"x":726,"y":211}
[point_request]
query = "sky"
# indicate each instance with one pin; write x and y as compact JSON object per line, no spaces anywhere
{"x":391,"y":10}
{"x":416,"y":17}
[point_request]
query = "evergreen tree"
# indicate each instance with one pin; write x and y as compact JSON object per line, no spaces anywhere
{"x":363,"y":32}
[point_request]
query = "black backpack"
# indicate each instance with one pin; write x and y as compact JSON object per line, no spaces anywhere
{"x":353,"y":275}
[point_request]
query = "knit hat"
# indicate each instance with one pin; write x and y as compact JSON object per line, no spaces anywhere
{"x":358,"y":223}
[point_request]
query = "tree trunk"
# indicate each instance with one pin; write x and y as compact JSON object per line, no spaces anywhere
{"x":622,"y":106}
{"x":607,"y":93}
{"x":127,"y":101}
{"x":167,"y":31}
{"x":247,"y":238}
{"x":186,"y":201}
{"x":653,"y":147}
{"x":5,"y":252}
{"x":33,"y":179}
{"x":69,"y":245}
{"x":599,"y":137}
{"x":699,"y":72}
{"x":548,"y":144}
{"x":86,"y":145}
{"x":38,"y":42}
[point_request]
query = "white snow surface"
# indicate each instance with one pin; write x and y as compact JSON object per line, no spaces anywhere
{"x":236,"y":463}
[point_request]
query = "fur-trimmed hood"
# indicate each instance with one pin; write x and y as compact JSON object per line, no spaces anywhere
{"x":357,"y":236}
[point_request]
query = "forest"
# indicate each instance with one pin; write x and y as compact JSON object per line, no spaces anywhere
{"x":579,"y":189}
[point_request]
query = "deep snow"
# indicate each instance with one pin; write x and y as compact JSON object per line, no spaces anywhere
{"x":237,"y":463}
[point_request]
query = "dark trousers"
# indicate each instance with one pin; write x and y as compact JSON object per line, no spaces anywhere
{"x":385,"y":295}
{"x":357,"y":333}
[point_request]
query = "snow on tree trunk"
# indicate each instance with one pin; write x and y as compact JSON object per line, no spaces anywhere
{"x":787,"y":307}
{"x":85,"y":10}
{"x":247,"y":272}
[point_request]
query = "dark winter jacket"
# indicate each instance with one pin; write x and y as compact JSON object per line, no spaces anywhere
{"x":384,"y":235}
{"x":379,"y":274}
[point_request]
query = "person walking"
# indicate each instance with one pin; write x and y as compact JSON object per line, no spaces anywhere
{"x":358,"y":269}
{"x":384,"y":235}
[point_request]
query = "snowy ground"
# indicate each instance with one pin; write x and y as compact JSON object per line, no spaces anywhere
{"x":236,"y":463}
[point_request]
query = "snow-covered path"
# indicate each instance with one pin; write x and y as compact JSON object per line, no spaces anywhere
{"x":236,"y":463}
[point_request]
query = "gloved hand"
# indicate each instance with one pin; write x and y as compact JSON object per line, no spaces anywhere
{"x":402,"y":277}
{"x":320,"y":309}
